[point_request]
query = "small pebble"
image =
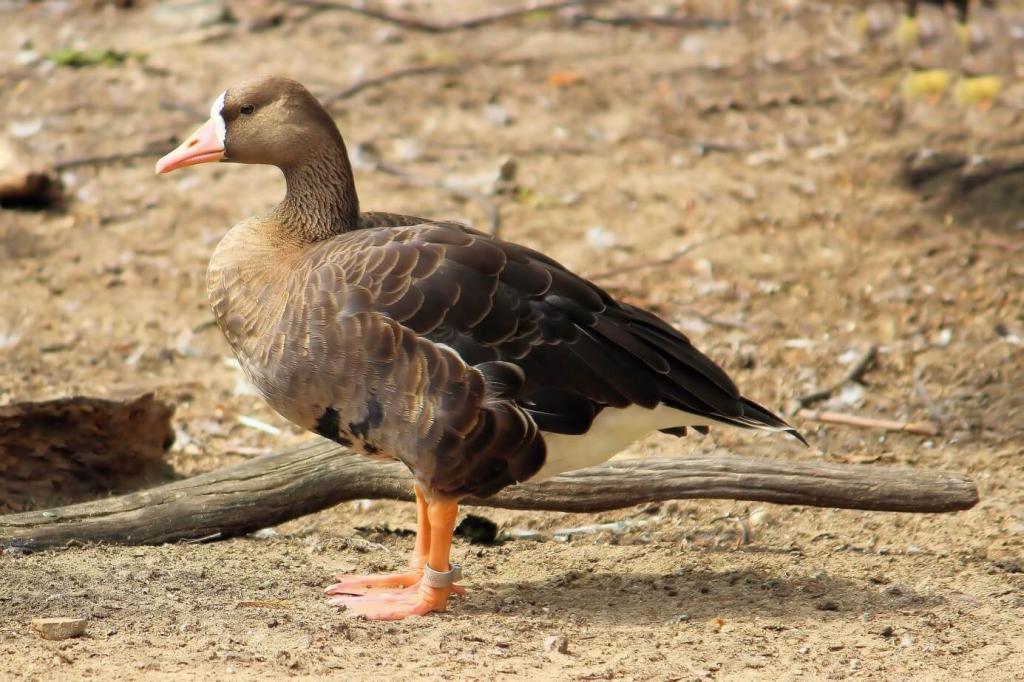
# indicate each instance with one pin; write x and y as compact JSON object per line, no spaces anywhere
{"x":556,"y":643}
{"x":755,"y":662}
{"x":760,"y":517}
{"x":600,"y":238}
{"x":497,"y":115}
{"x":264,"y":534}
{"x":522,"y":534}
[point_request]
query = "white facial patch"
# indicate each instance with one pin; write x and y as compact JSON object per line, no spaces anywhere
{"x":217,"y":116}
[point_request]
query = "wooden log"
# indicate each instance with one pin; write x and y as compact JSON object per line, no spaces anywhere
{"x":79,"y":448}
{"x":276,"y":488}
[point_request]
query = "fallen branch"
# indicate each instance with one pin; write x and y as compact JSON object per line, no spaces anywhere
{"x":432,"y":69}
{"x":397,"y":74}
{"x":414,"y":24}
{"x":101,"y":159}
{"x":921,"y":428}
{"x":856,"y":373}
{"x":642,"y":20}
{"x":276,"y":488}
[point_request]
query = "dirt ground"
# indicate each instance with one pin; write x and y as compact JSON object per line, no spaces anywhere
{"x":771,"y":146}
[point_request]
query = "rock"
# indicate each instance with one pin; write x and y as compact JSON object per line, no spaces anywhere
{"x":59,"y":628}
{"x":185,"y":15}
{"x":22,"y":183}
{"x":264,"y":534}
{"x":23,"y":129}
{"x":754,"y":662}
{"x":497,"y":115}
{"x":77,"y":448}
{"x":556,"y":643}
{"x":600,"y":238}
{"x":760,"y":517}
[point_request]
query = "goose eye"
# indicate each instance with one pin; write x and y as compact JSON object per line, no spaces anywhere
{"x":246,"y":109}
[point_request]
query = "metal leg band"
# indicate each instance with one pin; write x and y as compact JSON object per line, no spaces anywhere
{"x":441,"y":579}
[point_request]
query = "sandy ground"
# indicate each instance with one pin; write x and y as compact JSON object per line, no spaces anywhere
{"x":771,"y":148}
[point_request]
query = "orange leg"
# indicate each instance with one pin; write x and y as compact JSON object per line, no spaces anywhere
{"x":363,"y":584}
{"x":422,"y":598}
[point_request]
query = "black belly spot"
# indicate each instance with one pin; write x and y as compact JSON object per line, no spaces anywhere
{"x":359,"y":429}
{"x":374,"y":418}
{"x":329,"y":424}
{"x":370,"y":448}
{"x":374,"y":412}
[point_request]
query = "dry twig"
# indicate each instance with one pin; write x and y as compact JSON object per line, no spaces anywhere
{"x":645,"y":20}
{"x":430,"y":69}
{"x":921,"y":428}
{"x":855,"y":374}
{"x":397,"y":74}
{"x":101,"y":159}
{"x":719,"y":321}
{"x":414,"y":24}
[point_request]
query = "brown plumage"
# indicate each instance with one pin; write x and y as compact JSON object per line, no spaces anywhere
{"x":463,"y":356}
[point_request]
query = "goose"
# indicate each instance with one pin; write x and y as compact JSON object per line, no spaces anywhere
{"x":476,"y":362}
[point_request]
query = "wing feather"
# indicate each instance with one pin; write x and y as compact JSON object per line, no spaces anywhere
{"x":508,"y":341}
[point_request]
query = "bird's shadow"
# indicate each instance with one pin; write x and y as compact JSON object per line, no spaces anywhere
{"x":695,"y":595}
{"x":986,"y":194}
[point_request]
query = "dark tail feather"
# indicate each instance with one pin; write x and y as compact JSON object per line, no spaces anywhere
{"x":760,"y":416}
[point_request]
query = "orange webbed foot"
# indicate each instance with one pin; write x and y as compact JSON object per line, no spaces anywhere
{"x":362,"y":584}
{"x":396,"y":604}
{"x":380,"y":584}
{"x":421,"y":589}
